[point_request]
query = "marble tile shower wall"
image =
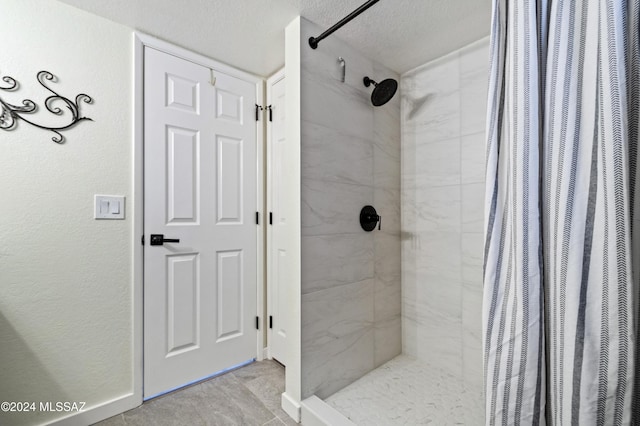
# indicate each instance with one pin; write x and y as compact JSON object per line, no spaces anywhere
{"x":443,"y":120}
{"x":350,"y":157}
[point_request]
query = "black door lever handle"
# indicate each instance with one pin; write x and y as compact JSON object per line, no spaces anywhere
{"x":159,"y":239}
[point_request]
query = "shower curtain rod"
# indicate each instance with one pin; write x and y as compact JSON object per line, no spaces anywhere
{"x":313,"y":41}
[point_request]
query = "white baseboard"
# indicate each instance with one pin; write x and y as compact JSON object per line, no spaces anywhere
{"x":316,"y":412}
{"x":99,"y":412}
{"x":291,"y":407}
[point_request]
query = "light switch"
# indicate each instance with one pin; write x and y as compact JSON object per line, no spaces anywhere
{"x":114,"y":207}
{"x":109,"y":207}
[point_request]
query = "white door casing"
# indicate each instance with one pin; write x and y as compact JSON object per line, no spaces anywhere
{"x":277,"y":251}
{"x":200,"y":187}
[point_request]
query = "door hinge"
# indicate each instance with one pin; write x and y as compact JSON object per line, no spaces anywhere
{"x":257,"y":218}
{"x":142,"y":240}
{"x":270,"y":321}
{"x":270,"y":113}
{"x":270,"y":218}
{"x":258,"y":109}
{"x":257,"y":323}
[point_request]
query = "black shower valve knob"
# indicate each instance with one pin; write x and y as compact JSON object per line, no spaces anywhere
{"x":375,"y":219}
{"x":369,"y":218}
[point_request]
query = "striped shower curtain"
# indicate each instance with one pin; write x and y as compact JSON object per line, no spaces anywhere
{"x":562,"y":249}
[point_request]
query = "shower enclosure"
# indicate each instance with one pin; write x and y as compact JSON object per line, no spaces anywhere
{"x":438,"y":378}
{"x":399,"y":306}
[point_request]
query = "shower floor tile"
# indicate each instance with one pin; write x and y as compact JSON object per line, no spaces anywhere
{"x":406,"y":391}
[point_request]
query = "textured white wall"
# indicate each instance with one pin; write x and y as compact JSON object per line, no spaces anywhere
{"x":65,"y":278}
{"x":443,"y":121}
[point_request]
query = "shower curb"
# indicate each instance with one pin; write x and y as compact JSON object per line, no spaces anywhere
{"x":316,"y":412}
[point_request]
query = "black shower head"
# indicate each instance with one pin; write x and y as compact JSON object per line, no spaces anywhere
{"x":383,"y":91}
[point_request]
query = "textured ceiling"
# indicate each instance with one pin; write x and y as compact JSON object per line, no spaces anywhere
{"x":249,"y":34}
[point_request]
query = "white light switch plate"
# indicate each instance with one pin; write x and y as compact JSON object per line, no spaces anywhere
{"x":108,"y":207}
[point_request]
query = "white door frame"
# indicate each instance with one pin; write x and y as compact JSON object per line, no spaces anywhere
{"x":140,"y":41}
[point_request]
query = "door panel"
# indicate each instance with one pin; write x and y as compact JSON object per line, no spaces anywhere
{"x":183,"y":285}
{"x":182,"y":94}
{"x":229,"y":107}
{"x":200,"y":188}
{"x":183,"y":175}
{"x":229,"y":298}
{"x":230,"y":185}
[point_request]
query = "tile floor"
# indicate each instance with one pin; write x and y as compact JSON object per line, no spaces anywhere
{"x":247,"y":396}
{"x":407,"y":391}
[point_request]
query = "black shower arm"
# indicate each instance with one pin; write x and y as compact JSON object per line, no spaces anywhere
{"x":313,"y":41}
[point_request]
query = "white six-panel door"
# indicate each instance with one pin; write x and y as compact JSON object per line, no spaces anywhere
{"x":200,"y":188}
{"x":278,"y":254}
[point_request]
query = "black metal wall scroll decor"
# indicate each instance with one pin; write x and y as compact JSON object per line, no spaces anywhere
{"x":55,"y":104}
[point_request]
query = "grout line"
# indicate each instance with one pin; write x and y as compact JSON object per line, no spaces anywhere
{"x":373,"y":278}
{"x":461,"y":193}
